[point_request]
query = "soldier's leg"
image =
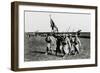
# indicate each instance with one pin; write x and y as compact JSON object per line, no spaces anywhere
{"x":46,"y":50}
{"x":77,"y":49}
{"x":63,"y":52}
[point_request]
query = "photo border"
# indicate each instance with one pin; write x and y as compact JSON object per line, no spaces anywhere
{"x":15,"y":34}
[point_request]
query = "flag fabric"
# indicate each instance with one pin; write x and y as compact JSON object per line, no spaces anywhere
{"x":53,"y":26}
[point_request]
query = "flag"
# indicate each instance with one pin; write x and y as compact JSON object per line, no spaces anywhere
{"x":53,"y":26}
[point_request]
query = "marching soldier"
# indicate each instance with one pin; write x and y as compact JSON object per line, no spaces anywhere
{"x":77,"y":44}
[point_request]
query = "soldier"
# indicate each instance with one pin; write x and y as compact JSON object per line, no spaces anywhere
{"x":58,"y":43}
{"x":48,"y":41}
{"x":66,"y":45}
{"x":77,"y":44}
{"x":71,"y":42}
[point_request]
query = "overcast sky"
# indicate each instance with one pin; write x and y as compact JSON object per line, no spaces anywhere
{"x":40,"y":21}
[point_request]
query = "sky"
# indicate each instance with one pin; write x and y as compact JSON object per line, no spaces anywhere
{"x":70,"y":22}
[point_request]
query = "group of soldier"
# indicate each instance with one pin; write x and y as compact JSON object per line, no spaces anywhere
{"x":66,"y":44}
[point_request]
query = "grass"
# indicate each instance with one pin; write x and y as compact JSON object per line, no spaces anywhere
{"x":35,"y":47}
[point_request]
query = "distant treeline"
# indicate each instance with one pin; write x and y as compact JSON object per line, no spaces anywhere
{"x":44,"y":34}
{"x":84,"y":35}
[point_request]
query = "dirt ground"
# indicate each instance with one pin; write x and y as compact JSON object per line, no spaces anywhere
{"x":35,"y":48}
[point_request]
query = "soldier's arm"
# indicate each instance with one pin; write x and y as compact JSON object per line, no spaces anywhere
{"x":79,"y":42}
{"x":69,"y":43}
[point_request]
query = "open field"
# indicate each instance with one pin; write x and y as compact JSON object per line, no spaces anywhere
{"x":35,"y":47}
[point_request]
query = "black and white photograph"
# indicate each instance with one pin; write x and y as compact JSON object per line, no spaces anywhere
{"x":56,"y":35}
{"x":53,"y":36}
